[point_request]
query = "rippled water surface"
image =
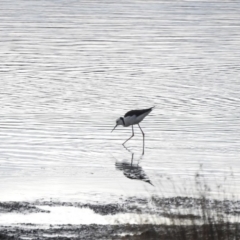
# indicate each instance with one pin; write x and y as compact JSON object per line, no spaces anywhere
{"x":69,"y":69}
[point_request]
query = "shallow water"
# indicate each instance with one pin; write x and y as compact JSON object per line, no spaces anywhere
{"x":69,"y":69}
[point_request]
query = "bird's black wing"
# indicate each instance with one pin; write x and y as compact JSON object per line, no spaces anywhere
{"x":137,"y":112}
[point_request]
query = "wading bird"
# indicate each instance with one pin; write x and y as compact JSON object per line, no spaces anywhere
{"x":131,"y":118}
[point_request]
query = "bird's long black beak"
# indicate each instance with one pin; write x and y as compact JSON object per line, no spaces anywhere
{"x":114,"y":128}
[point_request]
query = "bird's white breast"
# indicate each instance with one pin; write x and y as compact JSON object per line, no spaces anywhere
{"x":130,"y":120}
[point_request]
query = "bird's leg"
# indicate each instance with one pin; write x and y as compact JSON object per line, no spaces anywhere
{"x":132,"y":159}
{"x":143,"y":138}
{"x":130,"y":137}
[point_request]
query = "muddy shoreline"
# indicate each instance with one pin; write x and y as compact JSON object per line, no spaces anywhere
{"x":107,"y":232}
{"x":167,"y":208}
{"x":129,"y":205}
{"x":86,"y":232}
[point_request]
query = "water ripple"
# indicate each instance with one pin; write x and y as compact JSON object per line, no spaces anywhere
{"x":69,"y":69}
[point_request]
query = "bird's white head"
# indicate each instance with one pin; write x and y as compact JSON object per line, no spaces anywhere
{"x":119,"y":121}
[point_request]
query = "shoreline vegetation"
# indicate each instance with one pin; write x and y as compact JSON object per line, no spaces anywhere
{"x":157,"y":217}
{"x":186,"y":219}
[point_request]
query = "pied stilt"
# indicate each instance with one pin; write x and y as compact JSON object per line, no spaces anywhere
{"x":131,"y":118}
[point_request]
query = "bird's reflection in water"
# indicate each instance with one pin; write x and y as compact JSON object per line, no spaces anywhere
{"x":133,"y":171}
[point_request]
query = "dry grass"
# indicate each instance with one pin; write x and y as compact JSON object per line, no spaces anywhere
{"x":204,"y":219}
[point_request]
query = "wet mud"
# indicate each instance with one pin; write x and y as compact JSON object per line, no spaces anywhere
{"x":86,"y":232}
{"x":20,"y":207}
{"x":107,"y":232}
{"x":154,"y":206}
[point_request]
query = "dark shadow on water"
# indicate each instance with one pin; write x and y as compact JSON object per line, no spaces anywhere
{"x":132,"y":170}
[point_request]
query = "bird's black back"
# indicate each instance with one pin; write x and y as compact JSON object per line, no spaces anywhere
{"x":137,"y":112}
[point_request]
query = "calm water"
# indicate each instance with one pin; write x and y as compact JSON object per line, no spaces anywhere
{"x":69,"y":69}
